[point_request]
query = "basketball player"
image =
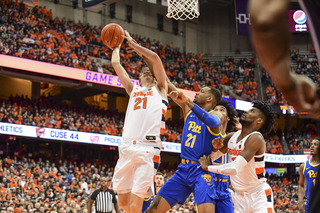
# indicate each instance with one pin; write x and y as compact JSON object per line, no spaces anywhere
{"x":224,"y":202}
{"x":308,"y":174}
{"x":140,"y":148}
{"x":246,"y":149}
{"x":271,"y":38}
{"x":201,"y":126}
{"x":159,"y":181}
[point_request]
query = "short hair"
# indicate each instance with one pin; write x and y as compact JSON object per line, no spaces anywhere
{"x":232,"y":114}
{"x":267,"y":111}
{"x":317,"y":139}
{"x":159,"y":173}
{"x":216,"y":93}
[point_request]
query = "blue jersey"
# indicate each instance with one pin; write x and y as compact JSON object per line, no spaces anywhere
{"x":190,"y":177}
{"x":222,"y":181}
{"x":146,"y":203}
{"x":310,"y":172}
{"x":196,"y":138}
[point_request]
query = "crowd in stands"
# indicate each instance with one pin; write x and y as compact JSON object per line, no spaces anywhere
{"x":285,"y":192}
{"x":43,"y":185}
{"x":56,"y":186}
{"x":302,"y":64}
{"x":48,"y":112}
{"x":35,"y":34}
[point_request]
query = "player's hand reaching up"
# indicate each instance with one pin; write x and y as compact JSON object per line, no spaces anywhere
{"x":217,"y":143}
{"x":204,"y":162}
{"x":131,"y":41}
{"x":178,"y":97}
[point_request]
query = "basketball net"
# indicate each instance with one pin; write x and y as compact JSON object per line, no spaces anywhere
{"x":183,"y":9}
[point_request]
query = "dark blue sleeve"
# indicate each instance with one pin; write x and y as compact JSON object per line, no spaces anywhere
{"x":204,"y":116}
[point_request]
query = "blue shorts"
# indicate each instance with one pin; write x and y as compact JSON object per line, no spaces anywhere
{"x":189,"y":178}
{"x":222,"y":187}
{"x":224,"y":202}
{"x":224,"y":206}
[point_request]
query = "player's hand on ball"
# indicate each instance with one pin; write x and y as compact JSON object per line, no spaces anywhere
{"x":217,"y":143}
{"x":130,"y":40}
{"x":204,"y":162}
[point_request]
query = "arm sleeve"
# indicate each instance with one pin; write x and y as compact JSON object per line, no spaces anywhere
{"x":94,"y":195}
{"x":210,"y":120}
{"x":215,"y":155}
{"x":229,"y":168}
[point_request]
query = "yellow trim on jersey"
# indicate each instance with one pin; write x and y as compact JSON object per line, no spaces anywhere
{"x":225,"y":158}
{"x":304,"y":166}
{"x":188,"y":113}
{"x":147,"y":198}
{"x":212,"y":133}
{"x":223,"y":136}
{"x":313,"y":165}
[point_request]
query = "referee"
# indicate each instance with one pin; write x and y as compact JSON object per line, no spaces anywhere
{"x":105,"y":199}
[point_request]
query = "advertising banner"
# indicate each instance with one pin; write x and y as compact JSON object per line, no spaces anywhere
{"x":109,"y":140}
{"x":297,"y":20}
{"x":242,"y":17}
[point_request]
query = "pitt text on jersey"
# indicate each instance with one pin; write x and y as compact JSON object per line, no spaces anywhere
{"x":194,"y":127}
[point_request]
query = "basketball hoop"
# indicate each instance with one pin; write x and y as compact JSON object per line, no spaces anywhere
{"x":183,"y":9}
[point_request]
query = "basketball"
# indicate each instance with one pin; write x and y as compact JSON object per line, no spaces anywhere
{"x":112,"y":35}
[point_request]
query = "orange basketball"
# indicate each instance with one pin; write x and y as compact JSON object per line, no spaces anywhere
{"x":112,"y":35}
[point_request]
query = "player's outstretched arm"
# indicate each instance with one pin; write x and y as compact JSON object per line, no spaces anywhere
{"x":152,"y":59}
{"x":121,"y":72}
{"x":253,"y":146}
{"x":271,"y":38}
{"x":301,"y":189}
{"x":210,"y":120}
{"x":219,"y":147}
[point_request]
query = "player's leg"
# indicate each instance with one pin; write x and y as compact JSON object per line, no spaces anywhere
{"x":204,"y":190}
{"x":262,"y":201}
{"x":159,"y":205}
{"x":123,"y":176}
{"x":124,"y":201}
{"x":224,"y":205}
{"x":206,"y":208}
{"x":175,"y":190}
{"x":240,"y":203}
{"x":146,"y":163}
{"x":136,"y":203}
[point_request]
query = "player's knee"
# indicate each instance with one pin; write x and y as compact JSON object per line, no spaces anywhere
{"x":123,"y":204}
{"x":135,"y":207}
